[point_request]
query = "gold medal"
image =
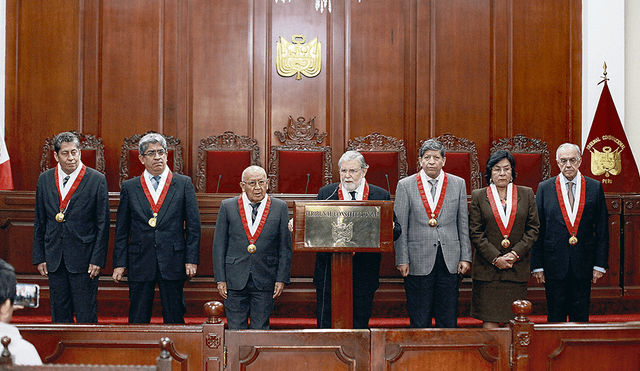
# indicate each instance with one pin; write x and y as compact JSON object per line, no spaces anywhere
{"x":573,"y":240}
{"x":152,"y":221}
{"x":433,"y":221}
{"x":59,"y":217}
{"x":251,"y":248}
{"x":506,"y":243}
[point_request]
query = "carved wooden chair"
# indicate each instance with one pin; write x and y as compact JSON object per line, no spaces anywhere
{"x":532,"y":159}
{"x":462,"y":160}
{"x":386,"y":157}
{"x":221,"y":159}
{"x":130,"y":165}
{"x":300,"y":164}
{"x":91,"y":147}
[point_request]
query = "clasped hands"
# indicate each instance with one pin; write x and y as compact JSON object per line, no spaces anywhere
{"x":505,"y":261}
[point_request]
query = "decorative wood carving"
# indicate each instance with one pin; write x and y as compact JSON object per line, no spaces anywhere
{"x":376,"y":142}
{"x":87,"y":142}
{"x":131,"y":143}
{"x":522,"y":144}
{"x":227,"y":141}
{"x":300,"y":135}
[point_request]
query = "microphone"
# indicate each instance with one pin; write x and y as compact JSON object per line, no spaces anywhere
{"x":218,"y":186}
{"x":388,"y":186}
{"x":307,"y":187}
{"x":334,"y":192}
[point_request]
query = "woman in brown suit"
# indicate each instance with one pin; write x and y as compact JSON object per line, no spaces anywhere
{"x":503,"y":224}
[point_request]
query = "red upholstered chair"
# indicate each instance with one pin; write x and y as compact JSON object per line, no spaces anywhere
{"x":532,"y":159}
{"x":130,"y":165}
{"x":221,"y":160}
{"x":299,"y":165}
{"x":462,"y":160}
{"x":386,"y":157}
{"x":91,"y":147}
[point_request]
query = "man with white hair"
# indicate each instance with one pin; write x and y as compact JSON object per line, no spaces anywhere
{"x":366,"y":266}
{"x":572,"y":250}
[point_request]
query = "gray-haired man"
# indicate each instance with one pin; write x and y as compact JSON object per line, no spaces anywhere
{"x":366,"y":266}
{"x":157,"y":235}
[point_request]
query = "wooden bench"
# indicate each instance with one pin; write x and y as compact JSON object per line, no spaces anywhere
{"x":163,"y":362}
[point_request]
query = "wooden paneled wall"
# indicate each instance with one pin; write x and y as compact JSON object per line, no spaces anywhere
{"x":412,"y":69}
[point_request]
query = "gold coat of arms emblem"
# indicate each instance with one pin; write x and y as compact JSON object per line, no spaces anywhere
{"x":607,"y":162}
{"x":298,"y":58}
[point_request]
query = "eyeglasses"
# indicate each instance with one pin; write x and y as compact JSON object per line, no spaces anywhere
{"x":160,"y":152}
{"x":572,"y":160}
{"x":253,"y":184}
{"x":350,"y":171}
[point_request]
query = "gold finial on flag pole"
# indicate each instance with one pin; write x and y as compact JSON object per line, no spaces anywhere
{"x":604,"y":78}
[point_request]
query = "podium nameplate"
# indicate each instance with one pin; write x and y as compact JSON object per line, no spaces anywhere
{"x":343,"y":226}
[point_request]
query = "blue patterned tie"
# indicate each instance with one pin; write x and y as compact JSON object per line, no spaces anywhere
{"x":155,"y":180}
{"x":65,"y":180}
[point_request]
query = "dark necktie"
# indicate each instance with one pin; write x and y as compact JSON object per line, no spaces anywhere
{"x":65,"y":180}
{"x":254,"y":211}
{"x":434,"y":183}
{"x":155,"y":180}
{"x":570,"y":194}
{"x":353,"y":195}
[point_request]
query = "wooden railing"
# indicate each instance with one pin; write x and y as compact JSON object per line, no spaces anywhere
{"x":520,"y":346}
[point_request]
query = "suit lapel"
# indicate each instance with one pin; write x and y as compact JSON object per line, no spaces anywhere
{"x":142,"y":199}
{"x":54,"y":196}
{"x":167,"y":200}
{"x":78,"y":191}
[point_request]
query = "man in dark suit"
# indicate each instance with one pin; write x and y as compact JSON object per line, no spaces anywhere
{"x":366,"y":266}
{"x":572,"y":250}
{"x":71,"y":232}
{"x":251,"y":252}
{"x":435,"y":247}
{"x":157,"y":235}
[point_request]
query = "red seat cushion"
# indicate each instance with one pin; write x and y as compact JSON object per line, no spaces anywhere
{"x":459,"y":164}
{"x":529,"y":169}
{"x":293,"y":168}
{"x":225,"y":167}
{"x":383,"y":169}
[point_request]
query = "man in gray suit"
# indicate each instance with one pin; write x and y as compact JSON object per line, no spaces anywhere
{"x":435,"y":246}
{"x":251,"y":252}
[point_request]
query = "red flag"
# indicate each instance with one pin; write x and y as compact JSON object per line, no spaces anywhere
{"x":6,"y":179}
{"x":607,"y":156}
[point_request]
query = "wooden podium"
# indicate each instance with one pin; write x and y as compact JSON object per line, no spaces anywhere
{"x":342,"y":228}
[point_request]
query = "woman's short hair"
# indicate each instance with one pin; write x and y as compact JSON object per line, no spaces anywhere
{"x":496,"y":157}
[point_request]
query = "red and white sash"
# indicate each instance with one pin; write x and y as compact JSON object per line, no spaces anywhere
{"x":504,"y":218}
